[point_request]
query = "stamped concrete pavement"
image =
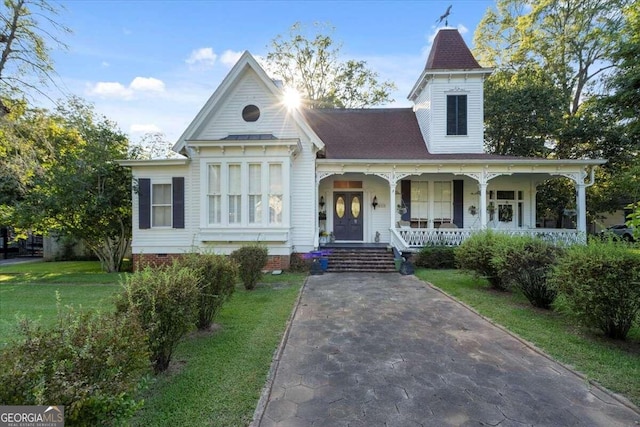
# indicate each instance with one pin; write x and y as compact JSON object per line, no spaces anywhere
{"x":388,"y":350}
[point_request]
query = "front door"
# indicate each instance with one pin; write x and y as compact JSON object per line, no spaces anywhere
{"x":347,"y":216}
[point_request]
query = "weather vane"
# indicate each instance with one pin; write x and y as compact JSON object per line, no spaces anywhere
{"x":445,"y":16}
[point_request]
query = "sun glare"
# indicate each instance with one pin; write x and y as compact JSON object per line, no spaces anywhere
{"x":291,"y":98}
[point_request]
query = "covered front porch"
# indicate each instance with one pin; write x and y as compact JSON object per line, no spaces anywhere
{"x":409,"y":204}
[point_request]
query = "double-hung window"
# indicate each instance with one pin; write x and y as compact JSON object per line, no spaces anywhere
{"x":235,"y":193}
{"x":214,"y":194}
{"x":161,"y":202}
{"x":161,"y":205}
{"x":456,"y":114}
{"x":442,"y":200}
{"x":275,"y":193}
{"x":255,"y":193}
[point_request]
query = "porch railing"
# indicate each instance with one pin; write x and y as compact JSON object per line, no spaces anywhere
{"x":412,"y":238}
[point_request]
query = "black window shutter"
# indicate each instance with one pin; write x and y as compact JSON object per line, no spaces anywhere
{"x":451,"y":115}
{"x":458,"y":202}
{"x":178,"y":202}
{"x":144,"y":203}
{"x":405,"y":194}
{"x":462,"y":114}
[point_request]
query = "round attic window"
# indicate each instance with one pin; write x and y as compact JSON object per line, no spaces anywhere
{"x":250,"y":113}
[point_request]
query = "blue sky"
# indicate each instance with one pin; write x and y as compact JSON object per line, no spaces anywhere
{"x":151,"y":65}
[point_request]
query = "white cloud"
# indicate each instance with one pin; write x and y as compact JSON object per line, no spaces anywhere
{"x":462,"y":29}
{"x":147,"y":84}
{"x":202,"y":58}
{"x":144,"y":128}
{"x":105,"y":64}
{"x":230,"y":57}
{"x":110,"y":90}
{"x":118,"y":90}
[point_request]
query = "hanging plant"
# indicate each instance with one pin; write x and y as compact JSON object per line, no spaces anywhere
{"x":491,"y":209}
{"x":473,"y":210}
{"x":402,"y":207}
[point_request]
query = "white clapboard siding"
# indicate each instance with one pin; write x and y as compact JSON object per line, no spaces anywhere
{"x":164,"y":239}
{"x":303,"y":212}
{"x":422,"y":108}
{"x":227,"y":116}
{"x":433,"y":123}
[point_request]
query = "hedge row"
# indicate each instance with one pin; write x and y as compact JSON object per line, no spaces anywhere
{"x":599,"y":281}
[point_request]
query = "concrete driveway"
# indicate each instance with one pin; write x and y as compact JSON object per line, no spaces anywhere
{"x":388,"y":350}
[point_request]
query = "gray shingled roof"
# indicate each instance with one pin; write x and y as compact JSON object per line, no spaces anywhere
{"x":450,"y":52}
{"x":378,"y":133}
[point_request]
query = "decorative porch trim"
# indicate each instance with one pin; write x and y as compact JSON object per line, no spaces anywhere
{"x":415,"y":238}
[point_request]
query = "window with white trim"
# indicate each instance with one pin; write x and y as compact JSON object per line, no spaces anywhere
{"x":456,"y":114}
{"x":255,"y":193}
{"x":161,"y":205}
{"x":214,"y":194}
{"x":275,"y":193}
{"x":442,"y":205}
{"x":247,"y":194}
{"x":419,"y":199}
{"x":234,"y":185}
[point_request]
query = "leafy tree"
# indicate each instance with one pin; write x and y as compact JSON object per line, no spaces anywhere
{"x":574,"y":40}
{"x":152,"y":145}
{"x":27,"y":29}
{"x":311,"y":64}
{"x":82,"y":192}
{"x":533,"y":106}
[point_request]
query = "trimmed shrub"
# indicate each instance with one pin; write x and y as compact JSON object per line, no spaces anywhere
{"x":475,"y":255}
{"x":216,"y":282}
{"x":600,"y":283}
{"x":165,"y":301}
{"x":525,"y":263}
{"x":436,"y":257}
{"x":251,"y":259}
{"x":300,"y":264}
{"x":93,"y":364}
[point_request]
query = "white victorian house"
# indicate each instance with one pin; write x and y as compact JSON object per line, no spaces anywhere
{"x":254,"y":170}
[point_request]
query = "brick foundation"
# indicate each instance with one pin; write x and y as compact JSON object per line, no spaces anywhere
{"x":275,"y":262}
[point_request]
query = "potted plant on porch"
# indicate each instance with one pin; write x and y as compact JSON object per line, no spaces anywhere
{"x":324,"y":237}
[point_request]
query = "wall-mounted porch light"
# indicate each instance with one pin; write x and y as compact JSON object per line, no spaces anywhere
{"x":374,"y":203}
{"x":321,"y":202}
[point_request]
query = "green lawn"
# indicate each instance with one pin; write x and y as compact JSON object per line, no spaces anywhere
{"x":29,"y":290}
{"x":613,"y":364}
{"x":215,"y":378}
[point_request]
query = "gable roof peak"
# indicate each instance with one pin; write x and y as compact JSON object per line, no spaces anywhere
{"x":450,"y":52}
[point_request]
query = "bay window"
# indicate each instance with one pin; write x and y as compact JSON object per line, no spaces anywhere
{"x":244,"y":194}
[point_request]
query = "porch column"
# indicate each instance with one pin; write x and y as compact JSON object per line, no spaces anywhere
{"x":581,"y":204}
{"x":392,"y":203}
{"x":483,"y":203}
